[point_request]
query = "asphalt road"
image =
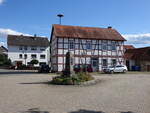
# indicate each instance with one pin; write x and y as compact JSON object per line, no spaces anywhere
{"x":120,"y":93}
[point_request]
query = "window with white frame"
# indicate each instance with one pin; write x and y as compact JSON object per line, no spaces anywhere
{"x":100,"y":46}
{"x":96,"y":46}
{"x":25,"y":48}
{"x":66,"y":46}
{"x":42,"y":48}
{"x":104,"y":45}
{"x":20,"y":56}
{"x":20,"y":48}
{"x":104,"y":62}
{"x":33,"y":56}
{"x":42,"y":56}
{"x":88,"y":45}
{"x":113,"y":62}
{"x":25,"y":56}
{"x":71,"y":44}
{"x":109,"y":47}
{"x":33,"y":48}
{"x":113,"y":46}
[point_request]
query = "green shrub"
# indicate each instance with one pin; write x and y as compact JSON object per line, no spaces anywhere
{"x":68,"y":81}
{"x":57,"y":80}
{"x":34,"y":61}
{"x":4,"y":61}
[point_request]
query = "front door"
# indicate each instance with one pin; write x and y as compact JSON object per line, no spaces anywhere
{"x":94,"y":62}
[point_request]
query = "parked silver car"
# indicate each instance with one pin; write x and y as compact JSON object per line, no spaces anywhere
{"x":116,"y":69}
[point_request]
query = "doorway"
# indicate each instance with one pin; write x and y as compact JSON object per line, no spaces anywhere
{"x":128,"y":64}
{"x":95,"y":64}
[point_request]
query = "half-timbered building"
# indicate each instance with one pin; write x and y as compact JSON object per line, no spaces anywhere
{"x":99,"y":47}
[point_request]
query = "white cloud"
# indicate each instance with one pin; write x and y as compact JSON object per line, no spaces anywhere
{"x":2,"y":43}
{"x":5,"y":32}
{"x":1,"y":1}
{"x":138,"y":39}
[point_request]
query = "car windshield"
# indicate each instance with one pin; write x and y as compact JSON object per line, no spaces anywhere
{"x":119,"y":66}
{"x":111,"y":67}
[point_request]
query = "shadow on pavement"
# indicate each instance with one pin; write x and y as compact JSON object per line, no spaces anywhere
{"x":86,"y":111}
{"x":19,"y":72}
{"x":91,"y":111}
{"x":35,"y":110}
{"x":126,"y":112}
{"x":36,"y":83}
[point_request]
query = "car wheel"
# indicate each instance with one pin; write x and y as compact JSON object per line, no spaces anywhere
{"x":124,"y":71}
{"x":111,"y":72}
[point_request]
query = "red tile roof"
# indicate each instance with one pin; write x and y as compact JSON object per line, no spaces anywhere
{"x":129,"y":47}
{"x":138,"y":54}
{"x":87,"y":32}
{"x":20,"y":40}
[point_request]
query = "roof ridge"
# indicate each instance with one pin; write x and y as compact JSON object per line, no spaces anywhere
{"x":82,"y":26}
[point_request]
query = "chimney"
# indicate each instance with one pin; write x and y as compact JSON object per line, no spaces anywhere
{"x":109,"y":27}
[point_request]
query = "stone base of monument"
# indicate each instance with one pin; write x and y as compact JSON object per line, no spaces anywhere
{"x":76,"y":79}
{"x":68,"y":76}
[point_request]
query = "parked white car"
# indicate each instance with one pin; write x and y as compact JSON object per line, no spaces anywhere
{"x":116,"y":69}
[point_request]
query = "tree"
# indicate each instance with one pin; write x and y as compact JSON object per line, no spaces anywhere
{"x":33,"y":62}
{"x":4,"y":60}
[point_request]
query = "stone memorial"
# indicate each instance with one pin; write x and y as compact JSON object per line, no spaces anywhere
{"x":69,"y":64}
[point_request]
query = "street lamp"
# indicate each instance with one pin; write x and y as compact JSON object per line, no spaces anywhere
{"x":60,"y":16}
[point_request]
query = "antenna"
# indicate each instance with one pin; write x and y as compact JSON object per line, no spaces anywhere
{"x":60,"y":16}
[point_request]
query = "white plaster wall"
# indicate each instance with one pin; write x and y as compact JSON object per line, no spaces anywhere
{"x":89,"y":52}
{"x":13,"y":54}
{"x":60,"y":59}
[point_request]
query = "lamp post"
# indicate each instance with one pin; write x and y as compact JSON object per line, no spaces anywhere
{"x":60,"y":16}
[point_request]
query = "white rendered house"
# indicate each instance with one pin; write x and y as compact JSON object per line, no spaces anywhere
{"x":23,"y":49}
{"x":98,"y":47}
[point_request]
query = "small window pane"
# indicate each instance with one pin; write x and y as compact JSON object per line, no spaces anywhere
{"x":113,"y":62}
{"x":88,"y":45}
{"x":42,"y":48}
{"x":25,"y":48}
{"x":20,"y":48}
{"x":20,"y":56}
{"x":71,"y":44}
{"x":109,"y":47}
{"x":104,"y":62}
{"x":42,"y":56}
{"x":33,"y":56}
{"x":100,"y":47}
{"x":104,"y":47}
{"x":33,"y":48}
{"x":113,"y":46}
{"x":66,"y":46}
{"x":25,"y":56}
{"x":96,"y":47}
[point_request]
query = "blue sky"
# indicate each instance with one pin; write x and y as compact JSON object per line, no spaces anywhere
{"x":130,"y":17}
